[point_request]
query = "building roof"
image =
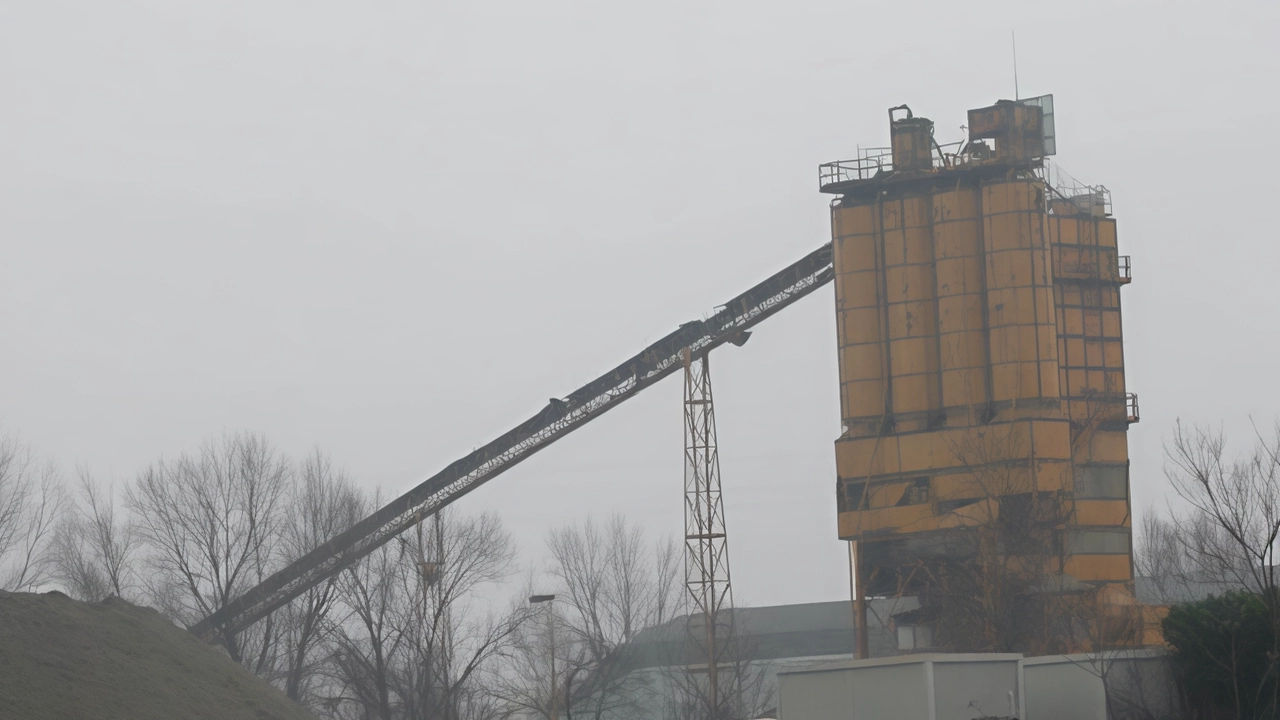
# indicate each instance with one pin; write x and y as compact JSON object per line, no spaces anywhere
{"x":779,"y":632}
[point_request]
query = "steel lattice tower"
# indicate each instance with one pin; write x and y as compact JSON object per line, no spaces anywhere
{"x":706,"y":557}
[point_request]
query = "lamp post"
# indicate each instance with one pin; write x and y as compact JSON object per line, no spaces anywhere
{"x":551,"y":641}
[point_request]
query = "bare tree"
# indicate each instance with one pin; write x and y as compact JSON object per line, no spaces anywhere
{"x":212,"y":522}
{"x":1160,"y":558}
{"x":31,"y":502}
{"x":365,"y":641}
{"x":1229,"y":535}
{"x":744,"y":687}
{"x":611,"y":585}
{"x":1234,"y":523}
{"x":324,"y":502}
{"x":94,"y":546}
{"x":417,"y":640}
{"x":448,"y":639}
{"x":538,"y":676}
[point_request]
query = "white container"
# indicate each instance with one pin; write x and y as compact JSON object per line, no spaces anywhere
{"x":939,"y":686}
{"x":1064,"y":687}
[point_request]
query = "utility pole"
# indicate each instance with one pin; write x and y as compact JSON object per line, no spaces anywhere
{"x":861,"y":649}
{"x":551,"y":642}
{"x":706,"y":558}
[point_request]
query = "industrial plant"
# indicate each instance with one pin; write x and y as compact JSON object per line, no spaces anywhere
{"x":982,"y":467}
{"x":982,"y":380}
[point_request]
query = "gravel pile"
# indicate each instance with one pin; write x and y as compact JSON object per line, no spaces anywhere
{"x":61,"y":659}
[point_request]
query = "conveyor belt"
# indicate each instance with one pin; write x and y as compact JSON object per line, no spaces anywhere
{"x":730,"y":323}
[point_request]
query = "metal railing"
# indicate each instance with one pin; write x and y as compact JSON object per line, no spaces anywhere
{"x":1088,"y":199}
{"x":1131,"y":407}
{"x":869,"y":163}
{"x":1123,"y":269}
{"x":874,"y":161}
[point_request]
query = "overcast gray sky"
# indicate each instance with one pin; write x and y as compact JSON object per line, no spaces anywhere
{"x":394,"y":229}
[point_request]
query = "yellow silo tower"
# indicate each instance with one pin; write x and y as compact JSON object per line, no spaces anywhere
{"x":983,"y":463}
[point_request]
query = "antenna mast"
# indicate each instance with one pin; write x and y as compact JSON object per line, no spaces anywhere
{"x":1014,"y":35}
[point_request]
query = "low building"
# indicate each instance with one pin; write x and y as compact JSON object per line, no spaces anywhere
{"x":796,"y":640}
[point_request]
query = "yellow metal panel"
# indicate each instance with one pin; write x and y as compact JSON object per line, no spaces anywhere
{"x":1106,"y":228}
{"x":890,"y":216}
{"x":908,"y":282}
{"x":1012,"y":343}
{"x":1111,"y":323}
{"x":867,"y":457}
{"x":864,"y":398}
{"x":854,"y":523}
{"x":913,"y":355}
{"x":1011,"y":306}
{"x":959,"y":275}
{"x":911,"y":319}
{"x":975,"y":347}
{"x":1046,"y":308}
{"x":1098,"y":381}
{"x":1093,"y":568}
{"x":854,"y":253}
{"x":963,"y":387}
{"x":1052,"y":439}
{"x":1105,"y":446}
{"x":858,"y":289}
{"x":861,"y":324}
{"x":1050,"y":382}
{"x":1052,"y":475}
{"x":886,"y":494}
{"x":979,"y":513}
{"x":864,"y":361}
{"x":918,"y":246}
{"x":1047,"y":343}
{"x":1008,"y":231}
{"x":960,"y":312}
{"x":1068,"y":258}
{"x":955,"y":204}
{"x":1032,"y":381}
{"x":1093,"y":353}
{"x":998,"y":198}
{"x":1102,"y":512}
{"x":1077,"y":382}
{"x":1040,"y":266}
{"x":915,"y":212}
{"x":957,"y":238}
{"x":893,"y":244}
{"x":1009,"y":268}
{"x":853,"y":220}
{"x":1115,"y":382}
{"x":913,"y":393}
{"x":1092,"y":323}
{"x":953,"y":350}
{"x":1086,"y":231}
{"x":956,"y":486}
{"x":1005,"y":381}
{"x":920,"y":452}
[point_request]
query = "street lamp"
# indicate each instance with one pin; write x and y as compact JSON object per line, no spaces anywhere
{"x":551,"y":640}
